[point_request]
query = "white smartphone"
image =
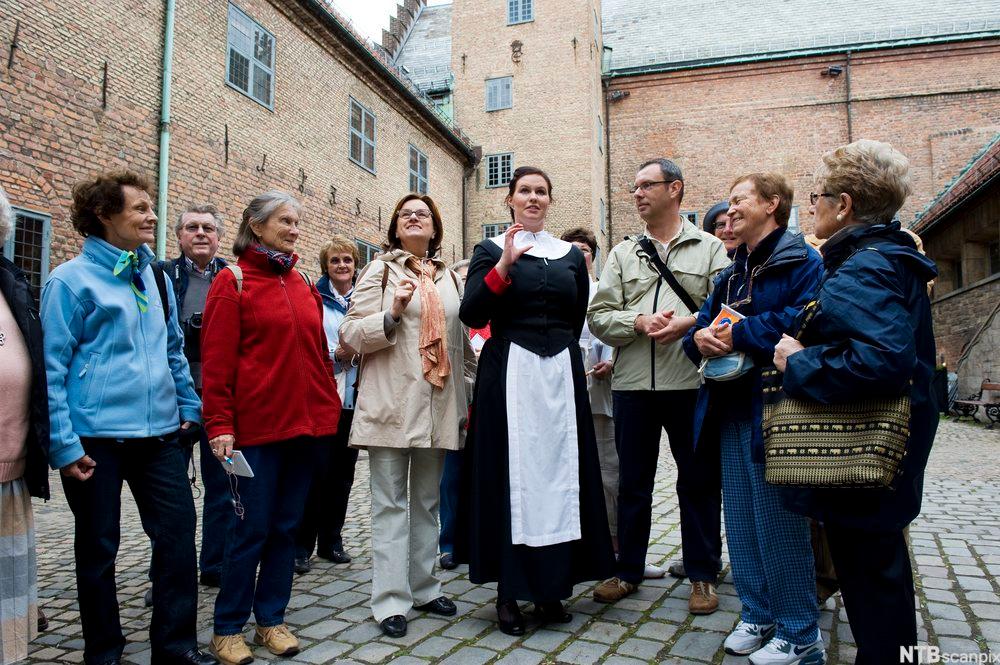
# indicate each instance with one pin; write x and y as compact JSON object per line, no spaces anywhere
{"x":237,"y":464}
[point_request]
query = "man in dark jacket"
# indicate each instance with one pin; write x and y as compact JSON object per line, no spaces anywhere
{"x":198,"y":230}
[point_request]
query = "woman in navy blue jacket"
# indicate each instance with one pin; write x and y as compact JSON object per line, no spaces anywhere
{"x":773,"y":275}
{"x":871,"y":337}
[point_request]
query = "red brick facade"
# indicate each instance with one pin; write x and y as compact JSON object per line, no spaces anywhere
{"x":937,"y":104}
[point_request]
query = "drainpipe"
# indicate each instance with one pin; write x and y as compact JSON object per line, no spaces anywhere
{"x":850,"y":114}
{"x":163,"y":176}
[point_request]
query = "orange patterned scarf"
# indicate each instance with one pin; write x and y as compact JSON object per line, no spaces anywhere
{"x":434,"y":358}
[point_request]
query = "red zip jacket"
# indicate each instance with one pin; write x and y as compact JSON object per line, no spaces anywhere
{"x":266,"y":372}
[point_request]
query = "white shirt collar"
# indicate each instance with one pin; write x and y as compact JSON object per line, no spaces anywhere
{"x":543,"y":244}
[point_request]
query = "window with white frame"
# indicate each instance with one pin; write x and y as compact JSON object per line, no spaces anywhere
{"x":362,"y":136}
{"x":793,"y":220}
{"x":493,"y":230}
{"x":499,"y":93}
{"x":367,"y":251}
{"x":498,"y":169}
{"x":250,"y":65}
{"x":520,"y":11}
{"x":28,"y":246}
{"x":690,"y":215}
{"x":418,"y":171}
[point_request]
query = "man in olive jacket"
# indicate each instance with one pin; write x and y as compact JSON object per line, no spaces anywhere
{"x":655,"y":386}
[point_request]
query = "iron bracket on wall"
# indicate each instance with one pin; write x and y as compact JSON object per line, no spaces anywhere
{"x":104,"y":87}
{"x":302,"y":180}
{"x":332,"y":200}
{"x":14,"y":44}
{"x":263,"y":165}
{"x":357,"y":207}
{"x":225,"y":143}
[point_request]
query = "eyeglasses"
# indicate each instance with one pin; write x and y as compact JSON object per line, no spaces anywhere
{"x":814,"y":197}
{"x":646,"y":186}
{"x":419,"y":214}
{"x":207,"y":229}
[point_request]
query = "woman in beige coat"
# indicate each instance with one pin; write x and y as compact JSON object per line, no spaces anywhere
{"x":411,"y":404}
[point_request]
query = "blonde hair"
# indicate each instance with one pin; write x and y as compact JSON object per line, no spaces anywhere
{"x":874,"y":174}
{"x":338,"y":244}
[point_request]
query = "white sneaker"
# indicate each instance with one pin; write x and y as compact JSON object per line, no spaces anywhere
{"x":747,"y":638}
{"x":783,"y":652}
{"x":652,"y":572}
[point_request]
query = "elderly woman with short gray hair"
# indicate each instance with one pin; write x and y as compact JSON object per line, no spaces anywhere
{"x":871,"y":337}
{"x":269,"y":393}
{"x":24,"y":440}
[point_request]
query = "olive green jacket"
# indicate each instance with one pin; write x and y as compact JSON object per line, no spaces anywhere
{"x":630,"y":286}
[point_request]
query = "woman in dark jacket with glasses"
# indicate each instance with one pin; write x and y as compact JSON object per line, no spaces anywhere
{"x":773,"y":275}
{"x":871,"y":337}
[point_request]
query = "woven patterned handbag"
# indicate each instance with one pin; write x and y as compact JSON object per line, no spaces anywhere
{"x":809,"y":444}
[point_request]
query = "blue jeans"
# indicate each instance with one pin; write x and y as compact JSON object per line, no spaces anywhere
{"x":154,"y":470}
{"x":449,"y":499}
{"x":260,"y":548}
{"x":770,"y":548}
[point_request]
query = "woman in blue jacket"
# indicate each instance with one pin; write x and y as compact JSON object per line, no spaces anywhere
{"x":871,"y":337}
{"x":119,"y":391}
{"x":773,"y":275}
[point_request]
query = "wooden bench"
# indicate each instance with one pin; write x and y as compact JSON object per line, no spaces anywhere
{"x":991,"y":407}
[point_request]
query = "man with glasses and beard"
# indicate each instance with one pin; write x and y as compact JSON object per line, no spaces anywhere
{"x":198,"y":230}
{"x":650,"y":291}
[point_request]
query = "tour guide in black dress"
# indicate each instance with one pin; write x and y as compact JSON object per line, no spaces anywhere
{"x":532,"y":514}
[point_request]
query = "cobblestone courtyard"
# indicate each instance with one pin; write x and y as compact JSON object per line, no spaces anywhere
{"x":955,"y":543}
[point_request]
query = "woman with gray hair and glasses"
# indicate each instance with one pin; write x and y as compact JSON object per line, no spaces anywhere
{"x":24,"y":440}
{"x":269,"y":393}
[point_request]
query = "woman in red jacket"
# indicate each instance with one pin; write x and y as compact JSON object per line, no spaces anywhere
{"x":269,"y":393}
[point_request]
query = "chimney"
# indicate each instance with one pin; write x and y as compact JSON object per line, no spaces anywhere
{"x":400,"y":26}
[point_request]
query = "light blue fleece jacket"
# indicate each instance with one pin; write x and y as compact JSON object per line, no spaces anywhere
{"x":113,"y":371}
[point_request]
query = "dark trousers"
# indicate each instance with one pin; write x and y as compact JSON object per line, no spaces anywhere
{"x":217,"y":510}
{"x":876,"y":582}
{"x":326,"y":507}
{"x":260,"y":548}
{"x":449,"y":499}
{"x":155,"y":472}
{"x":640,"y":416}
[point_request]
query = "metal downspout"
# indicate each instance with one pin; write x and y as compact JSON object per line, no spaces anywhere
{"x":605,"y":84}
{"x":162,"y":180}
{"x":850,"y":113}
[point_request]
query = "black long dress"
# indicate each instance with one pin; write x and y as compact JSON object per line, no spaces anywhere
{"x":542,"y":311}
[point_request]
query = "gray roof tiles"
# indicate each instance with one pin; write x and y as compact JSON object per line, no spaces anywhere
{"x":426,"y":55}
{"x":660,"y":32}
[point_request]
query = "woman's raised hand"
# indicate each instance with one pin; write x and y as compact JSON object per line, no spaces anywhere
{"x":510,"y":253}
{"x":402,"y":297}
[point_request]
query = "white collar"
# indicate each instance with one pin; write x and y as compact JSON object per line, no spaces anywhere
{"x":543,"y":244}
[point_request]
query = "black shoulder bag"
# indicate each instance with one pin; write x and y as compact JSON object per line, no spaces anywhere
{"x":661,"y":267}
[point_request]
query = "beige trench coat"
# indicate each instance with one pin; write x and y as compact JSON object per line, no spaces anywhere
{"x":396,"y":407}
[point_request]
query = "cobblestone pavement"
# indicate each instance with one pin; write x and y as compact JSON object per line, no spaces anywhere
{"x":955,"y":542}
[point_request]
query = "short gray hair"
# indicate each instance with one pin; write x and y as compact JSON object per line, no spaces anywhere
{"x":259,"y":210}
{"x":873,"y":173}
{"x":200,"y":209}
{"x":6,"y":217}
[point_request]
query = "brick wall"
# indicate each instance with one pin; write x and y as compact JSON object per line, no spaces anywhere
{"x":556,"y":101}
{"x":53,"y":130}
{"x":937,"y":104}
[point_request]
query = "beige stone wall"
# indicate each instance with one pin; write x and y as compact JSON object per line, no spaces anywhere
{"x":54,"y":132}
{"x":556,"y":102}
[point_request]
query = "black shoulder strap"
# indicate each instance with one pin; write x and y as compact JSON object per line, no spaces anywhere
{"x":654,"y":256}
{"x":161,"y":286}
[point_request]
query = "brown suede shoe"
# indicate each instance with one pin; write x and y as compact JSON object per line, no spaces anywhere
{"x":277,"y":639}
{"x":703,"y":599}
{"x":230,"y":649}
{"x":613,"y":590}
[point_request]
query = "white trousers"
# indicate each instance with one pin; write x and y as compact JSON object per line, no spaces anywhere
{"x":607,"y":454}
{"x":404,"y":532}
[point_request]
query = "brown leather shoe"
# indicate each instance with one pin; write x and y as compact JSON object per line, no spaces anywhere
{"x":230,"y":649}
{"x":703,"y":599}
{"x":277,"y":639}
{"x":613,"y":590}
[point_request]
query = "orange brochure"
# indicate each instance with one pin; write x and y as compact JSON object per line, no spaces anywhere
{"x":728,"y":316}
